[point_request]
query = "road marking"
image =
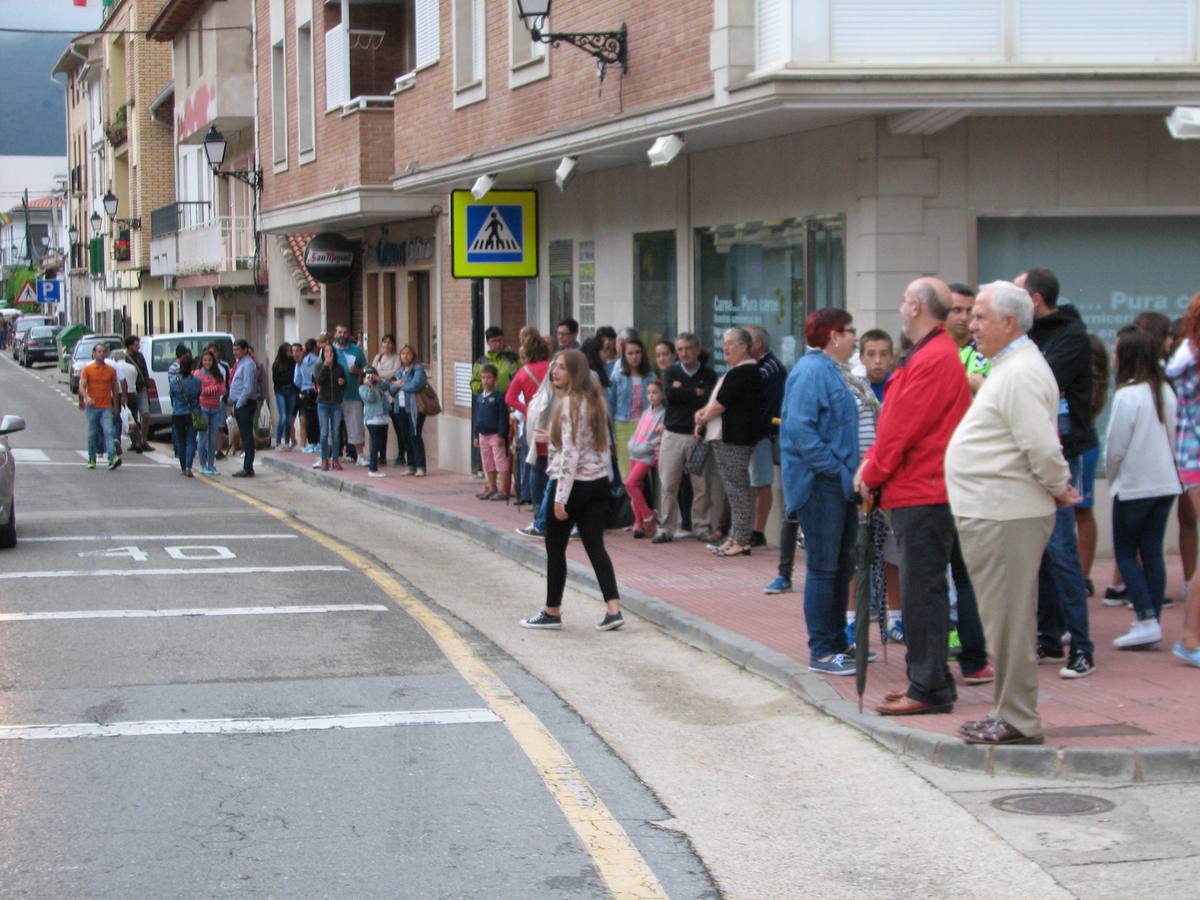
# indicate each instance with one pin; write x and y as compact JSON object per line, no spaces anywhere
{"x":247,"y":725}
{"x":21,"y":454}
{"x":157,"y":537}
{"x":625,"y":872}
{"x":137,"y":573}
{"x":187,"y":613}
{"x":124,"y":465}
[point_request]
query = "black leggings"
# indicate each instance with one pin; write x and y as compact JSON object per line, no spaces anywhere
{"x":587,"y":507}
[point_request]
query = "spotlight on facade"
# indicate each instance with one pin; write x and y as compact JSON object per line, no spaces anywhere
{"x":665,"y":149}
{"x":482,"y":185}
{"x":565,"y":171}
{"x":1184,"y":123}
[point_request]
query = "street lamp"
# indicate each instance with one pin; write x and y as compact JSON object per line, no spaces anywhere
{"x":214,"y":149}
{"x":607,"y":46}
{"x":96,"y":222}
{"x":73,"y":234}
{"x":110,"y":206}
{"x":45,"y":242}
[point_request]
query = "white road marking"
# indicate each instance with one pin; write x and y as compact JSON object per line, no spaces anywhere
{"x":157,"y":537}
{"x":187,"y":613}
{"x":21,"y":454}
{"x":137,"y":573}
{"x":100,"y":463}
{"x":247,"y":725}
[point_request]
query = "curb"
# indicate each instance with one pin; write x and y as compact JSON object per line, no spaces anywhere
{"x":1118,"y":765}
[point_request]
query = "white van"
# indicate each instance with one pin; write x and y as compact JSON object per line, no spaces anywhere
{"x":159,"y":350}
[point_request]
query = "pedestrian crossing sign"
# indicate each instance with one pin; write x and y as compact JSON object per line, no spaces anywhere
{"x":495,"y":237}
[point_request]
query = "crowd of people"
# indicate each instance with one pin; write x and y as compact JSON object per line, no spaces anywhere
{"x":968,"y":453}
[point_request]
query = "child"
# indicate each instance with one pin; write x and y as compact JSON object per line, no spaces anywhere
{"x":375,"y":400}
{"x":491,"y":434}
{"x":878,"y":358}
{"x":643,"y":456}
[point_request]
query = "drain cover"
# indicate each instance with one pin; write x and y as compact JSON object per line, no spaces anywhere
{"x":1053,"y":804}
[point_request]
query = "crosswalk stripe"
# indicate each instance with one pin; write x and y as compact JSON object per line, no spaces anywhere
{"x":140,"y":573}
{"x":22,"y":454}
{"x":57,"y":615}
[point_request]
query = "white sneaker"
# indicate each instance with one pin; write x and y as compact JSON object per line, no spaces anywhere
{"x":317,"y":464}
{"x":362,"y":461}
{"x":377,"y":474}
{"x":1141,"y":633}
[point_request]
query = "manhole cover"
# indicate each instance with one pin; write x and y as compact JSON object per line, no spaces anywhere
{"x":1053,"y":804}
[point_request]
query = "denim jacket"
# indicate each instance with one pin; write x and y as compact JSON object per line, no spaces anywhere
{"x":412,"y":381}
{"x":303,"y":378}
{"x":818,"y":434}
{"x":375,"y":400}
{"x":620,"y":390}
{"x":185,"y":394}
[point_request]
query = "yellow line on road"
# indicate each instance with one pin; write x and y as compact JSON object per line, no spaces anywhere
{"x":623,"y":869}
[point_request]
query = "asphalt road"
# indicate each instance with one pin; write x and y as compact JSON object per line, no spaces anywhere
{"x":199,"y":696}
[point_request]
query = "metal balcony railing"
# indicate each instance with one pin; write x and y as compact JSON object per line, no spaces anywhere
{"x":176,"y":217}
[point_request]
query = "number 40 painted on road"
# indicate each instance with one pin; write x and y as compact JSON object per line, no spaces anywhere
{"x":190,"y":551}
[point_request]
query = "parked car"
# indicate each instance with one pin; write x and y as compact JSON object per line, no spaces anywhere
{"x":159,"y":350}
{"x":40,"y":345}
{"x":22,"y":328}
{"x":82,"y":354}
{"x":8,"y":514}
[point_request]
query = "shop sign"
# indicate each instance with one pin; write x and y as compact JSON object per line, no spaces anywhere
{"x":495,"y":237}
{"x":402,"y":253}
{"x":329,"y":258}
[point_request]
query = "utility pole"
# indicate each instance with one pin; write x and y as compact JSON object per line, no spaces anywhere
{"x":28,"y":235}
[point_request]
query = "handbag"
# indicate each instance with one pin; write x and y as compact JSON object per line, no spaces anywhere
{"x":620,"y":508}
{"x":199,"y":420}
{"x":427,"y":401}
{"x":697,"y":458}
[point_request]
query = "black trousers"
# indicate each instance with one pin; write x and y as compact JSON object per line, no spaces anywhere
{"x":312,"y":425}
{"x":587,"y":507}
{"x":245,"y":422}
{"x":926,"y":536}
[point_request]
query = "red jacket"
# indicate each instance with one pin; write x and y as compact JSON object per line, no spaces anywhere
{"x":926,"y":398}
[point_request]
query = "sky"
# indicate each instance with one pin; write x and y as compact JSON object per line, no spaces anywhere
{"x":57,"y":15}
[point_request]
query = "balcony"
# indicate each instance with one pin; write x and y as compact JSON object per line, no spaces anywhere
{"x":186,"y":239}
{"x":117,"y":131}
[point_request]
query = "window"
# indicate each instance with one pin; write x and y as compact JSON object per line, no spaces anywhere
{"x":428,"y":33}
{"x":305,"y":101}
{"x":587,"y":288}
{"x":279,"y":150}
{"x":527,"y":59}
{"x":561,"y":307}
{"x":771,"y":274}
{"x":200,"y":47}
{"x":654,"y":285}
{"x":186,"y":41}
{"x":470,"y":52}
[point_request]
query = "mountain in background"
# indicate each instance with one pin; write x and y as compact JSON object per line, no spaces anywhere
{"x":33,"y":117}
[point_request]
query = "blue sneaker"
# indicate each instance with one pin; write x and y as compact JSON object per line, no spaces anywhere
{"x":851,"y":628}
{"x":1191,"y":657}
{"x":895,"y":632}
{"x":780,"y":585}
{"x":838,"y":664}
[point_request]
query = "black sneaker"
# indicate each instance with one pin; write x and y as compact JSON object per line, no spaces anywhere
{"x":1112,"y":593}
{"x":1050,"y":655}
{"x":531,"y":531}
{"x":758,"y":539}
{"x":541,"y":620}
{"x":1080,"y":666}
{"x":611,"y":622}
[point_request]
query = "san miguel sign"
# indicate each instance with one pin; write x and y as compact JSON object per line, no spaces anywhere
{"x":329,"y":258}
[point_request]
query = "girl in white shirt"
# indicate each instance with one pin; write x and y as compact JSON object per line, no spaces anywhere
{"x":1139,"y":461}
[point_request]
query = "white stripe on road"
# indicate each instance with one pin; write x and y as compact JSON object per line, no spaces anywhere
{"x":104,"y":464}
{"x":155,"y":458}
{"x":247,"y":725}
{"x":159,"y":537}
{"x":199,"y":611}
{"x":135,"y":573}
{"x":21,"y":454}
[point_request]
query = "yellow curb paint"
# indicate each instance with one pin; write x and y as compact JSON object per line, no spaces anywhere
{"x":623,"y":869}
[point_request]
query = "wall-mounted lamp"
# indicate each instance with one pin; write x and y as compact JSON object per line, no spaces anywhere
{"x":482,"y":185}
{"x":665,"y":149}
{"x":45,"y":242}
{"x":73,"y":234}
{"x":1184,"y":123}
{"x":110,"y":206}
{"x":214,"y":149}
{"x":565,"y":171}
{"x":96,"y":222}
{"x":609,"y":47}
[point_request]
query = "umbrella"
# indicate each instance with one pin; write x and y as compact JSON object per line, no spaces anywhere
{"x":864,"y":555}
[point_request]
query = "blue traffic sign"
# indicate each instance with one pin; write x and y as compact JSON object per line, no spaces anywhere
{"x":49,"y":291}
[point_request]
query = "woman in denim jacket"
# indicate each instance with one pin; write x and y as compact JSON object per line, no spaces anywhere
{"x":410,"y":380}
{"x":627,"y":394}
{"x":818,"y":443}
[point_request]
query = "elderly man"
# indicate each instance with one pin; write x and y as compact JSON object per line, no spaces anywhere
{"x":927,"y":398}
{"x":1005,"y":473}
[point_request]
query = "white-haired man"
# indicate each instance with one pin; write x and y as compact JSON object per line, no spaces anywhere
{"x":1005,"y":474}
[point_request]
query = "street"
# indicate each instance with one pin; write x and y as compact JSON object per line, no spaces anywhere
{"x":278,"y":690}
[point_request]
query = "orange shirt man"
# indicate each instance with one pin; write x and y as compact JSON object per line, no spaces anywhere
{"x":100,"y":389}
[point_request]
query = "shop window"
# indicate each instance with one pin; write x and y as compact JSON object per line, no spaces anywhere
{"x":587,"y":289}
{"x":561,"y":279}
{"x":654,"y":285}
{"x":771,"y":274}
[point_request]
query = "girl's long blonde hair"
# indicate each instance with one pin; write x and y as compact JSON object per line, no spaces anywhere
{"x":582,"y":395}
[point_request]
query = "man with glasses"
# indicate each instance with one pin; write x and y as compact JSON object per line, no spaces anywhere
{"x":958,"y":326}
{"x":567,"y":334}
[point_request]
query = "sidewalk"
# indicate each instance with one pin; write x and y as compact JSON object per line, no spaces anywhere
{"x":1134,"y":720}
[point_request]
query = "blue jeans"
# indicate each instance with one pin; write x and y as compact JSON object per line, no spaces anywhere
{"x":830,"y":525}
{"x":537,"y":482}
{"x":207,"y":443}
{"x":286,"y":402}
{"x":1138,"y":529}
{"x":1062,"y":595}
{"x":184,"y":436}
{"x":330,"y":417}
{"x":416,"y":444}
{"x":524,"y":495}
{"x":539,"y":520}
{"x":100,"y":421}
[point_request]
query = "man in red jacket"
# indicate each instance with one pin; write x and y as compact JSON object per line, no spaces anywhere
{"x":927,"y":396}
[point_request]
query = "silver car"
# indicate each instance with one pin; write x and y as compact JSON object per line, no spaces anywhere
{"x":8,"y":516}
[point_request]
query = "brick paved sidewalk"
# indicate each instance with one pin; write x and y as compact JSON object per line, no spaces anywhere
{"x":1134,"y":700}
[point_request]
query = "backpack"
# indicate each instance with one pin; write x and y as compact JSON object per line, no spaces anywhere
{"x":537,"y":414}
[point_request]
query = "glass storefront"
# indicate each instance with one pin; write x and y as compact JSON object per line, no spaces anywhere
{"x":654,"y":286}
{"x":772,"y":274}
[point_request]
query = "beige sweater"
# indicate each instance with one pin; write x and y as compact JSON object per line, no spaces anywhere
{"x":1004,"y":461}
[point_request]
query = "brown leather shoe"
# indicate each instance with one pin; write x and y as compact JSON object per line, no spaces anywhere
{"x":1000,"y":732}
{"x":906,"y":706}
{"x":975,"y":725}
{"x":892,"y":696}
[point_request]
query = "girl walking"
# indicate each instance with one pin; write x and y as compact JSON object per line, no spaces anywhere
{"x":579,"y":463}
{"x":185,"y":399}
{"x":212,"y":406}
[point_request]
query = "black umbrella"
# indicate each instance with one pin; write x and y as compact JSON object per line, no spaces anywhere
{"x":864,"y":556}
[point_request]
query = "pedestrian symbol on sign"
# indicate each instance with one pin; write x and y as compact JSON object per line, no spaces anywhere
{"x":496,"y":233}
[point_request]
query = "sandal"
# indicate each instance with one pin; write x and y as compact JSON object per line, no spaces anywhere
{"x":733,"y":549}
{"x":497,"y":495}
{"x":486,"y":495}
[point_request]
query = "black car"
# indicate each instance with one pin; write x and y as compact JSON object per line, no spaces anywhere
{"x":40,"y":345}
{"x":22,"y":329}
